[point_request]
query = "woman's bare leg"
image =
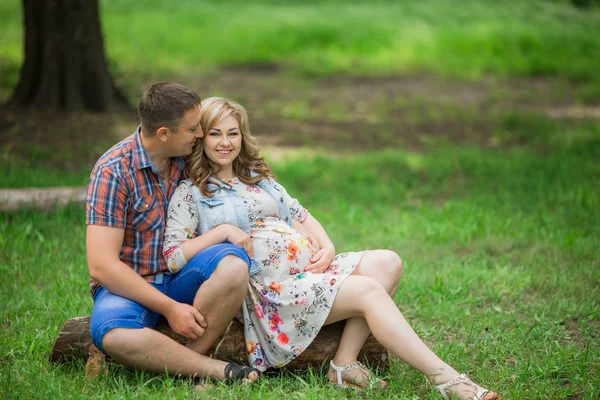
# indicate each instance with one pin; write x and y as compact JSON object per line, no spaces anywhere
{"x":361,"y":296}
{"x":385,"y":267}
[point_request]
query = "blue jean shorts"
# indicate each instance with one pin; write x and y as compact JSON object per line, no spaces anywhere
{"x":111,"y":311}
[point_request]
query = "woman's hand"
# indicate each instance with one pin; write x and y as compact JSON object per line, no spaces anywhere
{"x":237,"y":236}
{"x":321,"y":260}
{"x":312,"y":239}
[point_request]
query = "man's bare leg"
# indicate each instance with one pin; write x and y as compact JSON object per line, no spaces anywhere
{"x":150,"y":350}
{"x":218,"y":299}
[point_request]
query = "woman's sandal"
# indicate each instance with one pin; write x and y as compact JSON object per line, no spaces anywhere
{"x":372,"y":382}
{"x":464,"y":379}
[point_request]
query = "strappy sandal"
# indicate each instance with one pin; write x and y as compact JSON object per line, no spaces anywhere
{"x":235,"y":373}
{"x":372,"y":382}
{"x":463,"y":378}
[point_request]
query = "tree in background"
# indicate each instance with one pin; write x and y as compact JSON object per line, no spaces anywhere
{"x":65,"y":67}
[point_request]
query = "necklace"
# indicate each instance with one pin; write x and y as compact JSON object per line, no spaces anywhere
{"x":228,"y":179}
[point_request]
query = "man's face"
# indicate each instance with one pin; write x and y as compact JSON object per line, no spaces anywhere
{"x":182,"y":140}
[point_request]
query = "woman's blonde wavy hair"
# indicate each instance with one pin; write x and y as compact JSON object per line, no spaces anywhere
{"x":198,"y":168}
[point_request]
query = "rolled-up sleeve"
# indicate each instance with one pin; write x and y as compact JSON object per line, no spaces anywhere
{"x":106,"y":202}
{"x":297,"y":212}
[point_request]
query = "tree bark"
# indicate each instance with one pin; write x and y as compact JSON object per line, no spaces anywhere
{"x":74,"y":341}
{"x":65,"y":67}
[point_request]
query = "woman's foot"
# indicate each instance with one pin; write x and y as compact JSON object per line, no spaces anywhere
{"x":353,"y":375}
{"x":461,"y":387}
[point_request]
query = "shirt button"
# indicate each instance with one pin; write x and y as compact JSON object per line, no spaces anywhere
{"x":147,"y":205}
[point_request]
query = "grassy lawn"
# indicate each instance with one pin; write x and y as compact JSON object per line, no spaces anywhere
{"x":508,"y":38}
{"x":501,"y":271}
{"x":444,"y":133}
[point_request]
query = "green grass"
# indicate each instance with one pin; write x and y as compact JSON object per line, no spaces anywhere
{"x":500,"y":243}
{"x":501,"y":270}
{"x":511,"y":38}
{"x":31,"y":164}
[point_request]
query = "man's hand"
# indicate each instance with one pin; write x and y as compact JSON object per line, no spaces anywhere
{"x":186,"y":320}
{"x":321,"y":260}
{"x":240,"y":238}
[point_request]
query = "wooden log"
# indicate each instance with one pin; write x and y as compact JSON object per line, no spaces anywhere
{"x":41,"y":198}
{"x":74,"y":342}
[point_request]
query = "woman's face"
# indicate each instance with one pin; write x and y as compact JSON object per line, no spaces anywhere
{"x":223,"y":142}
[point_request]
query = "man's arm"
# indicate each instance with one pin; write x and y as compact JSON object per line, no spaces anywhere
{"x":103,"y":246}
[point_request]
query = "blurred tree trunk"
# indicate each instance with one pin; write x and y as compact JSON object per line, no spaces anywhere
{"x":65,"y":67}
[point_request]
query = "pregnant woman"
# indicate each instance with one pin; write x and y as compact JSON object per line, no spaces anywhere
{"x":296,"y":285}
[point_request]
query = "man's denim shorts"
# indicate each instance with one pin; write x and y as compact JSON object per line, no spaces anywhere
{"x":111,"y":311}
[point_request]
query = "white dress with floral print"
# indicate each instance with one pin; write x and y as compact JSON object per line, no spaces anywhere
{"x":285,"y":307}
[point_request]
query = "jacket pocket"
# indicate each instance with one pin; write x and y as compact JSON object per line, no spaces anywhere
{"x":146,"y":214}
{"x":212,"y":212}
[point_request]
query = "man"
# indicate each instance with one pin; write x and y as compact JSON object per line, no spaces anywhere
{"x":128,"y":194}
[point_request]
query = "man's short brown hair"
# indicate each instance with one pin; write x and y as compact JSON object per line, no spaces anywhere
{"x":164,"y":104}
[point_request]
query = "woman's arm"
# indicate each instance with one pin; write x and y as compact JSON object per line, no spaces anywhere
{"x":325,"y":248}
{"x":322,"y":258}
{"x":306,"y":233}
{"x":181,"y":241}
{"x":182,"y":221}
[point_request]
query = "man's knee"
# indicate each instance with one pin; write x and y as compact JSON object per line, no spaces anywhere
{"x":121,"y":342}
{"x":231,"y":272}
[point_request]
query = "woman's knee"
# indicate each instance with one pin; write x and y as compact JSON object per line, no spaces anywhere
{"x":384,"y":265}
{"x":394,"y":262}
{"x":357,"y":296}
{"x":369,"y":290}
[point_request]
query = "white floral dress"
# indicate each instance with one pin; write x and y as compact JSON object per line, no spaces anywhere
{"x":285,"y":307}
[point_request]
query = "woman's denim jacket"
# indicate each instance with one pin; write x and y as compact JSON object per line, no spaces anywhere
{"x":227,"y":207}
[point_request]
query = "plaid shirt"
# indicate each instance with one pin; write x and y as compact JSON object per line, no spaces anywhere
{"x":125,"y":191}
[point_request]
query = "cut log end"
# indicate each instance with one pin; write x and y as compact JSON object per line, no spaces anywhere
{"x":95,"y":365}
{"x":74,"y":342}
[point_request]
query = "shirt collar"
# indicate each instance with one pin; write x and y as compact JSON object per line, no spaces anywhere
{"x":140,"y":157}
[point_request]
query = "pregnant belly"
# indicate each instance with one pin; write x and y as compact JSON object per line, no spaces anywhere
{"x":278,"y":245}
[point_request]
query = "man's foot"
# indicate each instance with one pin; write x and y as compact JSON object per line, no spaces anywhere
{"x":354,"y":375}
{"x":235,"y":373}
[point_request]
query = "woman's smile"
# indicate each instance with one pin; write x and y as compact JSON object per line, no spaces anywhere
{"x":222,"y":144}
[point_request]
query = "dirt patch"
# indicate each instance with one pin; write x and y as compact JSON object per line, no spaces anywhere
{"x":575,"y":396}
{"x":340,"y":113}
{"x":575,"y":112}
{"x":366,"y":113}
{"x":60,"y":140}
{"x":574,"y":334}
